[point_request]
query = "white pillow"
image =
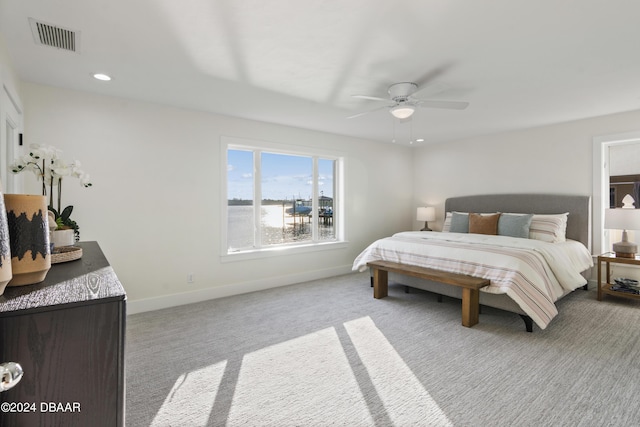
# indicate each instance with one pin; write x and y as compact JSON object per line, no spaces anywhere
{"x":549,"y":228}
{"x":447,"y":223}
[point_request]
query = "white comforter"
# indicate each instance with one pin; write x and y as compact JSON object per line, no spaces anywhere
{"x":533,"y":273}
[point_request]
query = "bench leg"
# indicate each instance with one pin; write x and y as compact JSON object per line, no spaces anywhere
{"x":470,"y":307}
{"x":380,"y":283}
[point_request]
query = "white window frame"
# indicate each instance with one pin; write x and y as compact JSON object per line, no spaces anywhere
{"x":257,"y":147}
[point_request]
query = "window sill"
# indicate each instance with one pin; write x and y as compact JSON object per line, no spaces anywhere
{"x":282,"y":251}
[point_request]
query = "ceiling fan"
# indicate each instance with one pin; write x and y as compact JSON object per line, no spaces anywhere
{"x":403,"y":100}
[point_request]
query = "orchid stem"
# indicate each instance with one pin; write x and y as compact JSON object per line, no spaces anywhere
{"x":59,"y":193}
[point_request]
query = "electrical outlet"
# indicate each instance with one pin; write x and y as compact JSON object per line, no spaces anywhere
{"x":190,"y":278}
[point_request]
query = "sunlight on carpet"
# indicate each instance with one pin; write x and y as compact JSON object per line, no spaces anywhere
{"x":203,"y":383}
{"x":294,"y":382}
{"x":394,"y":382}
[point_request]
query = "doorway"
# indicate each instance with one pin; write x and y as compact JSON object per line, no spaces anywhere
{"x":10,"y":134}
{"x":603,"y":169}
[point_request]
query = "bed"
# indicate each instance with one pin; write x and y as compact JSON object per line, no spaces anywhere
{"x":528,"y":274}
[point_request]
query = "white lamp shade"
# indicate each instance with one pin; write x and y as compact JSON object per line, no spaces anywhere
{"x":622,"y":219}
{"x":426,"y":214}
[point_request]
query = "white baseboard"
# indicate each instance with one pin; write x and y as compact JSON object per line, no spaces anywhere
{"x":166,"y":301}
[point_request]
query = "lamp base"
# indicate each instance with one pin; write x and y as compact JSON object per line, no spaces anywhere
{"x":625,"y":249}
{"x":426,"y":227}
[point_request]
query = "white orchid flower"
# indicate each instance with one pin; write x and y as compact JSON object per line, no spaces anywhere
{"x":45,"y":162}
{"x":49,"y":152}
{"x":60,"y":169}
{"x":26,"y":162}
{"x":18,"y":166}
{"x":85,"y":180}
{"x":75,"y":169}
{"x":35,"y":152}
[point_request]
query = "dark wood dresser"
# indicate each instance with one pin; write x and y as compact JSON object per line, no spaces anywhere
{"x":68,"y":334}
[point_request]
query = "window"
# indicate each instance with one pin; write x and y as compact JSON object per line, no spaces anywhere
{"x":279,"y":197}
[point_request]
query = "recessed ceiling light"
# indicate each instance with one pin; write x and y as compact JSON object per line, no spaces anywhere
{"x":103,"y":77}
{"x":420,"y":140}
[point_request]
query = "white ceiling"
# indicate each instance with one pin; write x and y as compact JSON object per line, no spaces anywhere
{"x":519,"y":63}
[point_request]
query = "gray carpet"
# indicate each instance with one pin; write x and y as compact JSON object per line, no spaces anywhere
{"x":326,"y":353}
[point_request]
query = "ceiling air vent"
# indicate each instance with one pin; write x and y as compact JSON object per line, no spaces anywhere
{"x":54,"y":36}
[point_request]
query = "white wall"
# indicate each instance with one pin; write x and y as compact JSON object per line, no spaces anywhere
{"x":155,"y":203}
{"x":7,"y":76}
{"x":154,"y":207}
{"x":550,"y":159}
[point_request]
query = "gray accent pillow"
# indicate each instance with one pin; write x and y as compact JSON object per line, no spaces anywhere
{"x":459,"y":222}
{"x":514,"y":225}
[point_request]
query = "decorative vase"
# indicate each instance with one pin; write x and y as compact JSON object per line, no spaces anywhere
{"x":28,"y":237}
{"x":5,"y":252}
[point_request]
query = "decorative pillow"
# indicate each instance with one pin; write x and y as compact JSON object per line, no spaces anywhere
{"x":459,"y":222}
{"x":446,"y":227}
{"x":549,"y":228}
{"x":483,"y":224}
{"x":515,"y":225}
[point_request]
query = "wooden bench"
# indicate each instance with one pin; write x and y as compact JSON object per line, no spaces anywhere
{"x":470,"y":285}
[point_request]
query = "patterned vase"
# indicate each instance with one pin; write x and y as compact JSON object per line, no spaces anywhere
{"x":29,"y":238}
{"x":5,"y":252}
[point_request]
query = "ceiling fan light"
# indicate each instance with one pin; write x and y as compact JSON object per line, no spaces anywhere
{"x":403,"y":111}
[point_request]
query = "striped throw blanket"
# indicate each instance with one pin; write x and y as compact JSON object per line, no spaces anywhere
{"x":531,"y":272}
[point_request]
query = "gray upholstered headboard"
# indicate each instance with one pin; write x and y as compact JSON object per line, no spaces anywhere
{"x":579,"y":208}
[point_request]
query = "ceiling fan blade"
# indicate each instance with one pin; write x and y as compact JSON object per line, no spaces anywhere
{"x":373,"y":98}
{"x":367,"y":112}
{"x":448,"y":105}
{"x":432,"y":75}
{"x":431,"y":89}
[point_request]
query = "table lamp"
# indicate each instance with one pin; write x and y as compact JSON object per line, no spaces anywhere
{"x":426,"y":214}
{"x":625,"y":218}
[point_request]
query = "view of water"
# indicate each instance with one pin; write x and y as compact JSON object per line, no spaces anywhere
{"x":277,"y":227}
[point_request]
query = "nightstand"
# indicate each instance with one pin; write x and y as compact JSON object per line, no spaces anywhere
{"x":605,"y":288}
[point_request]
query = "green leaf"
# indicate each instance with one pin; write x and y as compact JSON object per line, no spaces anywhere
{"x":55,"y":212}
{"x":66,"y":213}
